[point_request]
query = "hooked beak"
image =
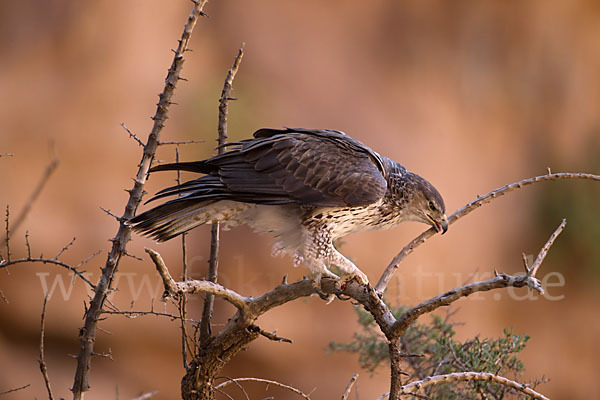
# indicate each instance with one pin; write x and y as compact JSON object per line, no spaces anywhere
{"x":439,"y":226}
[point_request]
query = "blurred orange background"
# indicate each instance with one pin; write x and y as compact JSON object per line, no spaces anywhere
{"x":471,"y":95}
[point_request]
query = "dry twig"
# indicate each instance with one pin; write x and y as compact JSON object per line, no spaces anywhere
{"x":35,"y":194}
{"x":349,"y":387}
{"x":213,"y":261}
{"x":15,"y":389}
{"x":42,"y":361}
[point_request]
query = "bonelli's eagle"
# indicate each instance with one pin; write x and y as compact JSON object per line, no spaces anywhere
{"x":305,"y":187}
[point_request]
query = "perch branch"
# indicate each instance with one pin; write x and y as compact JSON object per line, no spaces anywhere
{"x":213,"y":261}
{"x":42,"y":361}
{"x":102,"y":289}
{"x":387,"y":275}
{"x":175,"y":289}
{"x":267,"y":381}
{"x":501,"y":280}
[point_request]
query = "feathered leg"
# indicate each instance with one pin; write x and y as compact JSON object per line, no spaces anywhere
{"x":349,"y":270}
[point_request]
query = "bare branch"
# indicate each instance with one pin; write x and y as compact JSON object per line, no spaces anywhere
{"x":481,"y":200}
{"x":35,"y":194}
{"x":15,"y":389}
{"x":409,"y":388}
{"x":269,"y":335}
{"x":183,"y":301}
{"x":542,"y":254}
{"x":133,"y":314}
{"x":267,"y":381}
{"x":7,"y":235}
{"x":213,"y":261}
{"x":79,"y":274}
{"x":42,"y":361}
{"x":65,"y":248}
{"x":174,"y":289}
{"x":226,"y":96}
{"x":444,"y":299}
{"x":349,"y":387}
{"x":180,"y":142}
{"x":107,"y":211}
{"x":102,"y":289}
{"x":132,"y":135}
{"x":236,"y":384}
{"x":6,"y":155}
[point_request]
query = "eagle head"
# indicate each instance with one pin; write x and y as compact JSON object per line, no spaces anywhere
{"x":426,"y":204}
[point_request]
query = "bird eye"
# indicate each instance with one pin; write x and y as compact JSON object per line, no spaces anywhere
{"x":431,"y":206}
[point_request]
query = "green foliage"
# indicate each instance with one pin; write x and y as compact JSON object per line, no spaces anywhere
{"x":431,"y":349}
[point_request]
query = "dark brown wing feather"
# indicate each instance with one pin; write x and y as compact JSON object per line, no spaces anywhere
{"x":312,"y":167}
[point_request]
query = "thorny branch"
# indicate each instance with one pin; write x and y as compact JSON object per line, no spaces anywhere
{"x":102,"y":289}
{"x":213,"y":261}
{"x":29,"y":259}
{"x":387,"y":275}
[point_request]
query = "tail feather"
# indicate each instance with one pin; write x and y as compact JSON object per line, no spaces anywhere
{"x":171,"y":219}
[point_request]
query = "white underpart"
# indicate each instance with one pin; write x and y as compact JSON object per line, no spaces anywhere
{"x":307,"y":244}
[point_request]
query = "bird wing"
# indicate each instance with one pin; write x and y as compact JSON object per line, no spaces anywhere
{"x":279,"y":166}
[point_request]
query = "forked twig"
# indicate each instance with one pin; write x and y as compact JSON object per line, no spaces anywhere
{"x":499,"y":281}
{"x":387,"y":275}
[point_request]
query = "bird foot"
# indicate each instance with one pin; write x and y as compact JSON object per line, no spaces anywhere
{"x":319,"y":288}
{"x":358,"y":276}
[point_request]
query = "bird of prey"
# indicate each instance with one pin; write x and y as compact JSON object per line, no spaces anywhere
{"x":305,"y":187}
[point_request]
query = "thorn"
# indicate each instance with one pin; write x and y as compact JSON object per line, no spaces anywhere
{"x":182,"y":78}
{"x":549,"y":171}
{"x":284,"y":280}
{"x":495,"y":272}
